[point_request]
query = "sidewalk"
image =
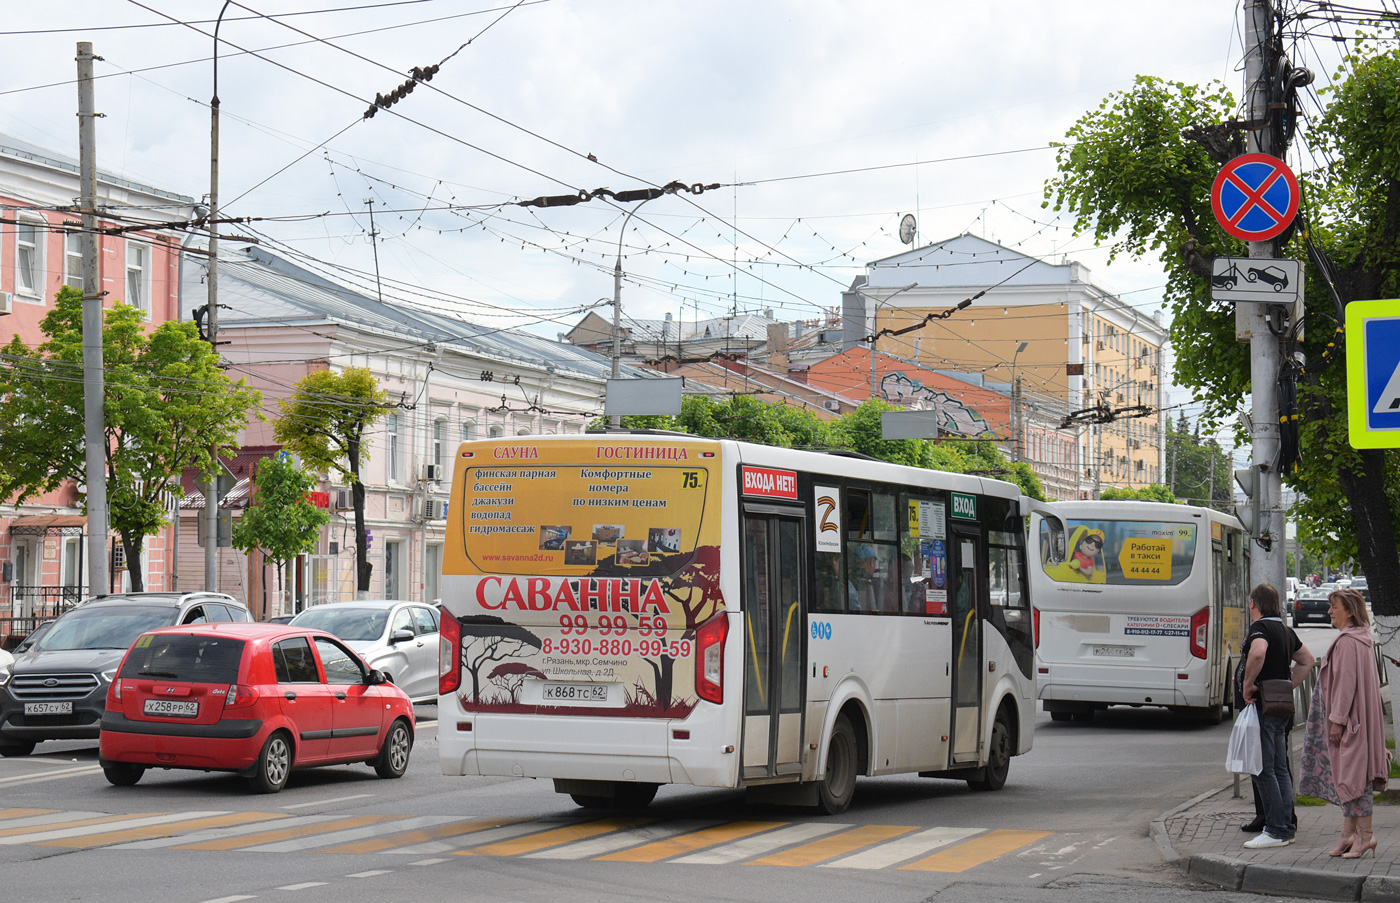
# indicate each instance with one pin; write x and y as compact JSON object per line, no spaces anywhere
{"x":1204,"y":837}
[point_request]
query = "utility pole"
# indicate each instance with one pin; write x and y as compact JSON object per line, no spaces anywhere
{"x":374,"y":243}
{"x":94,"y":424}
{"x":1267,"y":560}
{"x":211,"y":317}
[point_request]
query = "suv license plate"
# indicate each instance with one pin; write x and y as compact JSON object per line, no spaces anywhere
{"x":48,"y":708}
{"x":576,"y":693}
{"x":1115,"y":651}
{"x":172,"y":707}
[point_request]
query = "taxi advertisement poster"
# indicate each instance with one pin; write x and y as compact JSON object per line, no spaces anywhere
{"x":579,"y":570}
{"x":1125,"y":552}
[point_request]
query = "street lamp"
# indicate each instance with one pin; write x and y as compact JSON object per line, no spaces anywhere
{"x":617,"y":294}
{"x":211,"y":496}
{"x":1016,"y":404}
{"x":874,"y":381}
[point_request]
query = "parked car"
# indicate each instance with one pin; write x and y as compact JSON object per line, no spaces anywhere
{"x":57,"y":689}
{"x":1311,"y":606}
{"x":399,"y":638}
{"x":258,"y":699}
{"x":7,"y":664}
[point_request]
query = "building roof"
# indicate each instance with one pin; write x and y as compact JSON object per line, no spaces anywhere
{"x":23,"y":150}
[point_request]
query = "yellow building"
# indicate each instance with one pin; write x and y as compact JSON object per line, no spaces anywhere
{"x":1082,"y":368}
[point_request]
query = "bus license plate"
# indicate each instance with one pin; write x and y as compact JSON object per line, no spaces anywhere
{"x":48,"y":708}
{"x":172,"y":707}
{"x":1115,"y":651}
{"x":576,"y":693}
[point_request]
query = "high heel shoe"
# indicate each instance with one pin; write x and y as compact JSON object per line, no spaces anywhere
{"x":1343,"y":845}
{"x":1356,"y":852}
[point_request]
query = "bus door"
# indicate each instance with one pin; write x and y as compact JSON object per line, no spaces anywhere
{"x":775,"y":619}
{"x":969,"y":602}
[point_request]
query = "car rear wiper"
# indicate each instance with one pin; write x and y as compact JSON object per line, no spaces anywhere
{"x":157,"y":674}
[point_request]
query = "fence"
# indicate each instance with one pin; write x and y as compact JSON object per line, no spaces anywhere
{"x":31,"y":606}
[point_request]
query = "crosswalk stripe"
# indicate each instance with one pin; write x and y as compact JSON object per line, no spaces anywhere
{"x":694,"y":840}
{"x":400,"y":823}
{"x":750,"y":847}
{"x":19,"y":825}
{"x":608,"y":843}
{"x":835,"y":845}
{"x":25,"y":833}
{"x":490,"y":835}
{"x":407,"y":838}
{"x":285,"y":833}
{"x":53,"y":774}
{"x":976,"y":851}
{"x":165,"y":830}
{"x":101,"y":825}
{"x":7,"y":814}
{"x":161,"y":843}
{"x":556,"y":837}
{"x":902,"y":848}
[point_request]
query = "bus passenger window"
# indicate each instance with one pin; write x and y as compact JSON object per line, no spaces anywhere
{"x":830,"y":595}
{"x":996,"y":562}
{"x":1052,"y":541}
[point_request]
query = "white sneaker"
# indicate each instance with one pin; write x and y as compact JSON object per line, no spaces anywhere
{"x":1266,"y":841}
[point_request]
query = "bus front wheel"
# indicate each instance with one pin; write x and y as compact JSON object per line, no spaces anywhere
{"x":839,"y":783}
{"x":998,"y":757}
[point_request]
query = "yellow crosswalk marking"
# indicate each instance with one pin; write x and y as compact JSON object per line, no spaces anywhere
{"x":23,"y":813}
{"x":168,"y":829}
{"x":567,"y":834}
{"x":321,"y":827}
{"x":75,"y":823}
{"x":408,"y":838}
{"x":688,"y":843}
{"x":834,"y":845}
{"x":976,"y":851}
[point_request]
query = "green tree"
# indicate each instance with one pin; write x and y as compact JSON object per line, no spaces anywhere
{"x":740,"y":417}
{"x":1200,"y":470}
{"x":1137,"y":172}
{"x":1154,"y":493}
{"x":166,"y":404}
{"x":324,"y":422}
{"x":282,"y":521}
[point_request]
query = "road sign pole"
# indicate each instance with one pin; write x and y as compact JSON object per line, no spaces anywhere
{"x":1267,"y":560}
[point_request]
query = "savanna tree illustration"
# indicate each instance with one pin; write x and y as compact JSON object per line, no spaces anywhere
{"x":487,"y":639}
{"x":510,"y":677}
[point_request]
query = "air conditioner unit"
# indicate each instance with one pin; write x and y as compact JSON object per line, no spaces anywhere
{"x":432,"y":472}
{"x":432,"y":509}
{"x":343,"y":499}
{"x":1100,"y":344}
{"x":831,"y":404}
{"x":1137,"y":443}
{"x":7,"y":303}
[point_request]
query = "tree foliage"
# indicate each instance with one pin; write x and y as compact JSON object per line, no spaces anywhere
{"x":166,"y":404}
{"x":324,"y":422}
{"x":282,"y":521}
{"x":1154,"y":493}
{"x":1200,"y":470}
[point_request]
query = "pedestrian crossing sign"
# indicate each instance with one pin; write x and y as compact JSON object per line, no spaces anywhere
{"x":1373,"y":373}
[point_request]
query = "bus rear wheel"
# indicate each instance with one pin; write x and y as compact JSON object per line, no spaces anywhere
{"x":838,"y":785}
{"x":998,"y":757}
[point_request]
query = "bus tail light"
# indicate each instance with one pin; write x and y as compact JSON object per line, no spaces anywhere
{"x":1200,"y":626}
{"x":449,"y":654}
{"x":709,"y":658}
{"x":1035,"y":625}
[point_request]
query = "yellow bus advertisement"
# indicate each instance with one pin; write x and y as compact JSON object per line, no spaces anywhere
{"x":579,"y":571}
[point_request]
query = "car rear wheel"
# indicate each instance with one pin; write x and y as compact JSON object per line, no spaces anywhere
{"x":12,"y":748}
{"x":393,"y":755}
{"x":274,"y":765}
{"x":123,"y":774}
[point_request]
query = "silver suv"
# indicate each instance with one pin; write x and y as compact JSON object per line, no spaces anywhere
{"x":57,"y":689}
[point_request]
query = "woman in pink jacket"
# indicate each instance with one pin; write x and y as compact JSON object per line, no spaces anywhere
{"x":1351,"y":696}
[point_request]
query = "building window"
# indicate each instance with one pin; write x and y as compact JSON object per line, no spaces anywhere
{"x":73,"y":260}
{"x":432,"y":572}
{"x":439,"y":427}
{"x":391,"y":464}
{"x":29,"y":258}
{"x":495,"y":432}
{"x":468,"y":430}
{"x":393,"y":565}
{"x":138,"y":280}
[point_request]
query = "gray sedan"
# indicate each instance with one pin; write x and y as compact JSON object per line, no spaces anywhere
{"x":397,"y":637}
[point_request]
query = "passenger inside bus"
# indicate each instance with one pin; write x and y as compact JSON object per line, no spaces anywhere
{"x":871,"y":587}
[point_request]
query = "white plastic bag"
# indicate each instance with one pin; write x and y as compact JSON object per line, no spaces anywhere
{"x":1246,"y":755}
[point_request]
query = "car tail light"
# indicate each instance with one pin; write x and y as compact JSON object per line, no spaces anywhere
{"x":1035,"y":624}
{"x":449,"y":654}
{"x":709,"y":658}
{"x":240,"y":696}
{"x":114,"y":693}
{"x":1200,"y":627}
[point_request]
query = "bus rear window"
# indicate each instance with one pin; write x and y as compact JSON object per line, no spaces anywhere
{"x":1119,"y":552}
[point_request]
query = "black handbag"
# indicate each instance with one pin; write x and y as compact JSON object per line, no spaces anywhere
{"x":1276,"y":697}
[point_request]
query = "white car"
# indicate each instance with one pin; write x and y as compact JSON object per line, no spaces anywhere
{"x":397,"y":637}
{"x":7,"y":664}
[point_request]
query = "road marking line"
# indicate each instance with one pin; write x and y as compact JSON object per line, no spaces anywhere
{"x":835,"y":845}
{"x":304,"y":885}
{"x":407,"y":838}
{"x":764,"y":843}
{"x":284,"y":833}
{"x":371,"y":873}
{"x":418,"y":724}
{"x":608,"y":843}
{"x":490,"y":835}
{"x":338,"y":799}
{"x":7,"y":814}
{"x":976,"y":851}
{"x":427,"y":862}
{"x":282,"y":821}
{"x":95,"y":826}
{"x":556,"y":837}
{"x":152,"y":831}
{"x":695,"y":840}
{"x":234,"y":899}
{"x":49,"y":820}
{"x":896,"y":851}
{"x":328,"y":840}
{"x":39,"y":777}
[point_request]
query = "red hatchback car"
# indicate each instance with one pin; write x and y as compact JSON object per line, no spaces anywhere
{"x":258,"y":699}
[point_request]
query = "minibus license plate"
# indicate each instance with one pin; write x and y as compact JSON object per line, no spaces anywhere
{"x":1115,"y":651}
{"x":48,"y":708}
{"x":576,"y":693}
{"x":172,"y":707}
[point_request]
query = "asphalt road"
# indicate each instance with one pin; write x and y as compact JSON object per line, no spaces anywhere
{"x":1070,"y":825}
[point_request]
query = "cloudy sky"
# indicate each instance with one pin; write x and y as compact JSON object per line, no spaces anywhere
{"x":823,"y":122}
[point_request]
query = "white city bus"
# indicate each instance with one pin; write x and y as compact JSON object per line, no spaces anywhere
{"x":626,"y":610}
{"x":1137,"y":603}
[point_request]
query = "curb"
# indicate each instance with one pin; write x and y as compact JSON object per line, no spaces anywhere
{"x":1158,"y":829}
